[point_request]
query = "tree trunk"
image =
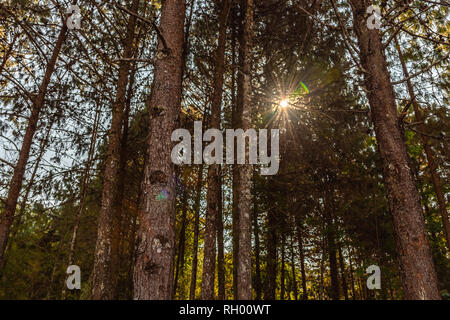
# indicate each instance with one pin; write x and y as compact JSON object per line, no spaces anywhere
{"x":282,"y":287}
{"x":322,"y":270}
{"x":198,"y":196}
{"x":220,"y":248}
{"x":302,"y":261}
{"x":132,"y":246}
{"x":237,"y":107}
{"x":123,"y":221}
{"x":417,"y":269}
{"x":7,"y":217}
{"x":153,"y":273}
{"x":432,"y":165}
{"x":181,"y":243}
{"x":352,"y":277}
{"x":258,"y":285}
{"x":214,"y":185}
{"x":271,"y":260}
{"x":294,"y":277}
{"x":245,"y":171}
{"x":343,"y":277}
{"x":333,"y":265}
{"x":332,"y":250}
{"x":105,"y":273}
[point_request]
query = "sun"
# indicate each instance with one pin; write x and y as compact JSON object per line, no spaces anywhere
{"x":284,"y":103}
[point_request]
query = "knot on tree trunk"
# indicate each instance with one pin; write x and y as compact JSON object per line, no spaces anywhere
{"x":151,"y":267}
{"x":157,"y":176}
{"x":156,"y":111}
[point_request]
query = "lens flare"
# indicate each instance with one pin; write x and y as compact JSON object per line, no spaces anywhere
{"x":305,"y":87}
{"x":284,"y":103}
{"x":163,"y":195}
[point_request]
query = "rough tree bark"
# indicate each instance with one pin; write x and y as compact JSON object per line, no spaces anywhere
{"x":414,"y":254}
{"x":352,"y":277}
{"x":104,"y":274}
{"x":153,"y":272}
{"x":245,"y":171}
{"x":432,"y":165}
{"x":132,"y":244}
{"x":283,"y":256}
{"x":237,"y":107}
{"x":198,"y":195}
{"x":123,"y":217}
{"x":258,"y":283}
{"x":302,"y":261}
{"x":214,"y":181}
{"x":179,"y":267}
{"x":220,"y":251}
{"x":271,"y":258}
{"x":294,"y":277}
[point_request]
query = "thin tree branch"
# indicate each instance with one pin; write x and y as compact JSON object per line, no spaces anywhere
{"x":420,"y":72}
{"x":152,"y":23}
